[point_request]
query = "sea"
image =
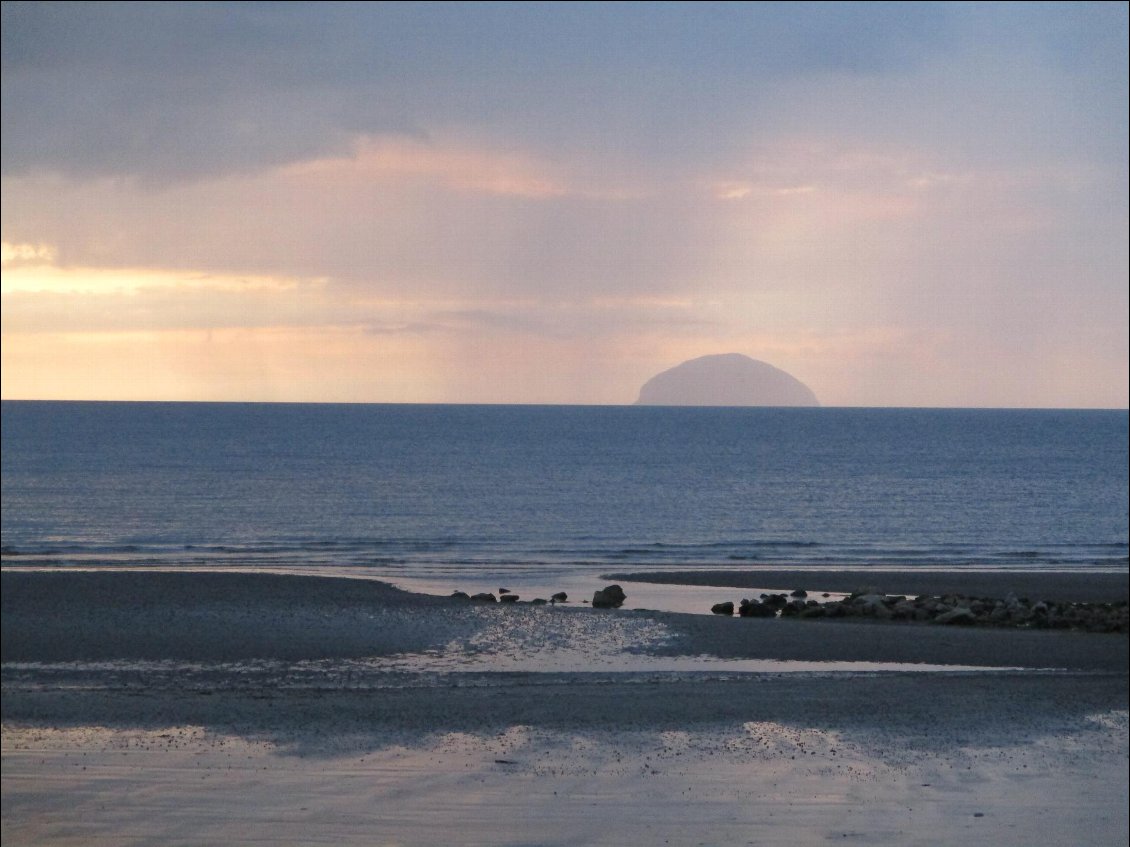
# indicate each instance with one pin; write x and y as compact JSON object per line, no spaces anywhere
{"x":439,"y":497}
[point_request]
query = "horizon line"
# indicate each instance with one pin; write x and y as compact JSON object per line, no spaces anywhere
{"x":558,"y":405}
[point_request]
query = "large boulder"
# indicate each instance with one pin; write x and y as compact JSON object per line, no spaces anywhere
{"x":754,"y":609}
{"x":726,"y":608}
{"x":609,"y":597}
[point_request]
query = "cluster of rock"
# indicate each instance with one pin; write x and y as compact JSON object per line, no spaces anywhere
{"x":505,"y":595}
{"x":768,"y":606}
{"x":949,"y":609}
{"x":609,"y":597}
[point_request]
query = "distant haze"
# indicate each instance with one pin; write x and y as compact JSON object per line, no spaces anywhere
{"x":729,"y":379}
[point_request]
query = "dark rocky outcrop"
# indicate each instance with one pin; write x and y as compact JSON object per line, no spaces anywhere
{"x":726,"y":608}
{"x":949,"y":610}
{"x":559,"y":597}
{"x":484,"y":597}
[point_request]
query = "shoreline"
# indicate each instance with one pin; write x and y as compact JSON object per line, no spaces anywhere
{"x":59,"y":616}
{"x":196,"y":708}
{"x":238,"y":617}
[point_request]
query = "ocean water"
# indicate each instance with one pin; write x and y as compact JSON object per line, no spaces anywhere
{"x":469,"y":493}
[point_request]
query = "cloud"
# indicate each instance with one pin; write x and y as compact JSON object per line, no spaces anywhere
{"x":39,"y":296}
{"x":450,"y":168}
{"x":13,"y":256}
{"x":167,"y":91}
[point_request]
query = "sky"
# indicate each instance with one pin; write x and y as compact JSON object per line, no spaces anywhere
{"x":899,"y":204}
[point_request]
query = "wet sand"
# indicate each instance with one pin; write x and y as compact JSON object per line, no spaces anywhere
{"x":224,"y":708}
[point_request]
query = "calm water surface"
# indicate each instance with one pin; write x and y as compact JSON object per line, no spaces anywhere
{"x":440,"y":492}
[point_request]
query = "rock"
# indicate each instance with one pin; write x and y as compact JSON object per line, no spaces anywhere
{"x":504,"y":591}
{"x":609,"y":597}
{"x":754,"y":609}
{"x":872,"y":606}
{"x":869,"y":600}
{"x":903,"y":610}
{"x":793,"y":608}
{"x":956,"y":609}
{"x":559,"y":597}
{"x":799,"y":592}
{"x":726,"y":608}
{"x":882,"y":613}
{"x":999,"y":615}
{"x":538,"y":601}
{"x":484,"y":597}
{"x":876,"y":607}
{"x":460,"y":595}
{"x":960,"y":615}
{"x":509,"y":597}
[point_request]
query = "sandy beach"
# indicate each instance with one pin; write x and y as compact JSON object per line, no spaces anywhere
{"x":143,"y":708}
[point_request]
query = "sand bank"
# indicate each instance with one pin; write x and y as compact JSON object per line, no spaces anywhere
{"x":234,"y":708}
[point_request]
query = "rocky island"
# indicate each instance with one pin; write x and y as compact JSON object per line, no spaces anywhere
{"x":727,"y":379}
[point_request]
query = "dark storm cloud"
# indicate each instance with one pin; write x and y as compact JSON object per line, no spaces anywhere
{"x":166,"y":91}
